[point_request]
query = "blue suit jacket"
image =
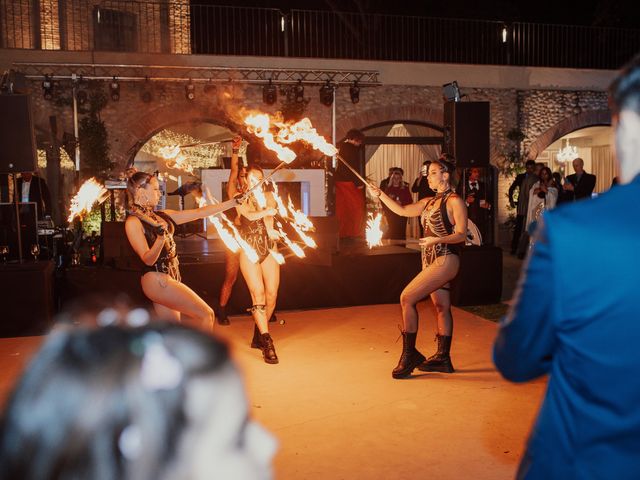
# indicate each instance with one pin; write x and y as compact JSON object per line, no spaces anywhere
{"x":577,"y":318}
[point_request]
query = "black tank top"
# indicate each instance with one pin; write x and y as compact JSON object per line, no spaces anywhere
{"x":436,"y":223}
{"x":167,"y":261}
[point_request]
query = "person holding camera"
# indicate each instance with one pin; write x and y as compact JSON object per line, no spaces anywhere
{"x":150,"y":234}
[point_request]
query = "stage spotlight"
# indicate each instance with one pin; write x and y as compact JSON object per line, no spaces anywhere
{"x":190,"y":91}
{"x":354,"y":92}
{"x":269,"y":93}
{"x":81,"y":97}
{"x":114,"y":88}
{"x":326,"y":94}
{"x":299,"y":92}
{"x":47,"y":87}
{"x":451,"y":92}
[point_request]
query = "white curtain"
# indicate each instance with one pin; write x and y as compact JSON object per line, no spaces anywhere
{"x":408,"y":157}
{"x":604,"y":167}
{"x":370,"y":150}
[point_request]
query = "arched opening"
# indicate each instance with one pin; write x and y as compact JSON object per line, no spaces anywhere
{"x":179,"y":152}
{"x":594,"y":145}
{"x":403,"y":145}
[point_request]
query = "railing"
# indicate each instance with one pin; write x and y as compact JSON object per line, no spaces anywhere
{"x":180,"y":28}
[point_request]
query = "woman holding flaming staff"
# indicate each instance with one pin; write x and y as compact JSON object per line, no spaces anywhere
{"x":444,"y":218}
{"x":262,"y":276}
{"x":150,"y":234}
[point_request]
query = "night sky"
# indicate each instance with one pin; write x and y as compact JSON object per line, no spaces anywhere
{"x":612,"y":13}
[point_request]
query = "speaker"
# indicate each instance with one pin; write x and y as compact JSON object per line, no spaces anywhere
{"x":29,"y":290}
{"x":9,"y":228}
{"x":479,"y":280}
{"x":18,"y":152}
{"x":466,"y":133}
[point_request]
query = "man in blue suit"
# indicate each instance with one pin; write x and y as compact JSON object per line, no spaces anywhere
{"x":575,"y":318}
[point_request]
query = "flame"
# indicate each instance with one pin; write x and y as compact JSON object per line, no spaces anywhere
{"x":169,"y":152}
{"x":277,"y":256}
{"x":180,"y":163}
{"x":282,"y":210}
{"x":260,"y":125}
{"x":232,"y":240}
{"x":258,"y":193}
{"x":295,"y":248}
{"x":303,"y":130}
{"x":373,"y":232}
{"x":90,"y":193}
{"x":299,"y":218}
{"x":300,"y":222}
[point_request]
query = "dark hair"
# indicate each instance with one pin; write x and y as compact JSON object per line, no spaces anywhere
{"x":136,"y":180}
{"x":548,"y":170}
{"x":624,"y":92}
{"x":355,"y":134}
{"x":448,"y":164}
{"x":529,"y":163}
{"x":426,"y":162}
{"x":256,"y":167}
{"x":398,"y":170}
{"x":67,"y":414}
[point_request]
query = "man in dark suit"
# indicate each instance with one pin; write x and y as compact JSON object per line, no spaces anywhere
{"x":32,"y":188}
{"x":523,"y":183}
{"x":585,"y":336}
{"x":474,"y":192}
{"x":580,"y":184}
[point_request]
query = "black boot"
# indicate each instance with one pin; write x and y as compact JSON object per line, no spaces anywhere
{"x":256,"y":341}
{"x":441,"y":361}
{"x":268,"y":350}
{"x":410,"y":357}
{"x":221,"y":314}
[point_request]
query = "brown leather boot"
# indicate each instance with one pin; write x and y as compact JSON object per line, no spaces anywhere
{"x":268,"y":349}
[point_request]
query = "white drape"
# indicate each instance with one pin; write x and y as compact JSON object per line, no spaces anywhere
{"x":408,"y":157}
{"x":604,"y":167}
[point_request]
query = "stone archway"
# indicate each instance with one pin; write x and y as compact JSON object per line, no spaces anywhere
{"x":382,"y":115}
{"x":591,"y":118}
{"x":137,"y":130}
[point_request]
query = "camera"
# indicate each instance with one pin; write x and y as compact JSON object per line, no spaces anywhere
{"x":423,"y":170}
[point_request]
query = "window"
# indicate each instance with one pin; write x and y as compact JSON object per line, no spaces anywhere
{"x":115,"y":31}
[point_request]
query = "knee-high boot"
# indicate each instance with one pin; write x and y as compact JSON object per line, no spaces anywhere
{"x":441,"y":361}
{"x":410,"y":357}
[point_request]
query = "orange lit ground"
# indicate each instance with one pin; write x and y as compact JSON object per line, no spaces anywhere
{"x":338,"y":413}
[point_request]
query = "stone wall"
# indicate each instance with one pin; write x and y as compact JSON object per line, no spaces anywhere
{"x":131,"y":122}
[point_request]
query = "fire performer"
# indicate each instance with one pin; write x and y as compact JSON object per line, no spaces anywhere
{"x":349,"y":194}
{"x":237,"y":184}
{"x":263,"y":276}
{"x":444,"y":218}
{"x":150,"y":234}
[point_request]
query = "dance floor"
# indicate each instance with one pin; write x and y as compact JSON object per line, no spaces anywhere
{"x":338,"y":414}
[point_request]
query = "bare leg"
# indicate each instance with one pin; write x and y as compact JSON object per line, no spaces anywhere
{"x":436,"y":275}
{"x":232,"y":265}
{"x":166,"y":313}
{"x":252,"y":274}
{"x":271,"y":282}
{"x":161,"y":289}
{"x":442,"y":301}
